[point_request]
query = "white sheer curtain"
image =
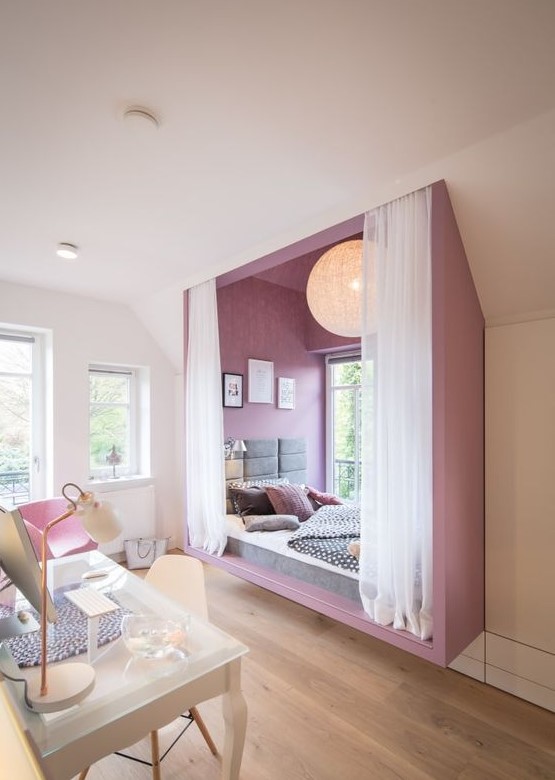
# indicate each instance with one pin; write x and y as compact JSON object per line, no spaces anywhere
{"x":204,"y":424}
{"x":396,"y":505}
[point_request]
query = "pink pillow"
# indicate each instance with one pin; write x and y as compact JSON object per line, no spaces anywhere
{"x":290,"y":500}
{"x":323,"y":498}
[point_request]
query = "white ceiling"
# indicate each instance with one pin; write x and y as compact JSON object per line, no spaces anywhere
{"x":277,"y":119}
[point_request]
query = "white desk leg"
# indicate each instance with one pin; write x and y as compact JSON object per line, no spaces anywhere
{"x":235,"y":720}
{"x":92,"y":645}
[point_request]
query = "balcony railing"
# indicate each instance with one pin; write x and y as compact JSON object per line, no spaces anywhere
{"x":14,"y":487}
{"x":347,"y":479}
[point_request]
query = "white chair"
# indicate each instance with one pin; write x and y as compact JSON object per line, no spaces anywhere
{"x":180,"y":578}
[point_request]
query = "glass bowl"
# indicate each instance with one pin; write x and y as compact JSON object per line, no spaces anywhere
{"x":154,"y":638}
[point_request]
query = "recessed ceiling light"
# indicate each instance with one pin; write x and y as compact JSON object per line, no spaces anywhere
{"x":67,"y":251}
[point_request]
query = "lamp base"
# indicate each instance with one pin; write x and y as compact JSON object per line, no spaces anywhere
{"x":68,"y":684}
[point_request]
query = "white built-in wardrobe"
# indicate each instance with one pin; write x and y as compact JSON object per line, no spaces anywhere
{"x":517,"y":651}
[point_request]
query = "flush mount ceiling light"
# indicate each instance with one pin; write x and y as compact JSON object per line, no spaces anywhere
{"x":67,"y":251}
{"x":334,"y":289}
{"x":139,"y":116}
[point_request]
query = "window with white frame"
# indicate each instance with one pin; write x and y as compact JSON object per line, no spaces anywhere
{"x":23,"y":399}
{"x":117,"y":421}
{"x":344,"y":414}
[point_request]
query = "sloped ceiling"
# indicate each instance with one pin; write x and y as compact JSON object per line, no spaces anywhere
{"x":276,"y":120}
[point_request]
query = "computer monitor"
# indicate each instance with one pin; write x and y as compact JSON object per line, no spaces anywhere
{"x":19,"y":561}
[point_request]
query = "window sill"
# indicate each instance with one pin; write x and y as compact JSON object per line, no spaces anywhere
{"x":104,"y":485}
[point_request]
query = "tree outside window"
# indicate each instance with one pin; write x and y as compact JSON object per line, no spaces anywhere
{"x":345,"y":380}
{"x":111,"y":396}
{"x":22,"y":416}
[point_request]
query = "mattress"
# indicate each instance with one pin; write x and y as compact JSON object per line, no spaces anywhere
{"x":270,"y":549}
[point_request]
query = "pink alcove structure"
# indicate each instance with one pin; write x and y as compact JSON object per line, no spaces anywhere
{"x":458,"y":444}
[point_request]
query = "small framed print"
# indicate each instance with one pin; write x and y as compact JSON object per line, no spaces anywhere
{"x":233,"y":390}
{"x":261,"y":381}
{"x":286,"y":393}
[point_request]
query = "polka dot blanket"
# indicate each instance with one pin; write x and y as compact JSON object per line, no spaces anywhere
{"x":326,"y":535}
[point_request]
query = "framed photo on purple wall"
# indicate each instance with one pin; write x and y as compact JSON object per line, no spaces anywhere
{"x":261,"y":381}
{"x":232,"y":385}
{"x":286,"y":393}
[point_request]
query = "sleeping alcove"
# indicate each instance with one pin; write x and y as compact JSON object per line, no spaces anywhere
{"x":262,"y":316}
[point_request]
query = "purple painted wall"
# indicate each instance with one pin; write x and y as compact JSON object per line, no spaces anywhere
{"x":458,"y":437}
{"x":265,"y":321}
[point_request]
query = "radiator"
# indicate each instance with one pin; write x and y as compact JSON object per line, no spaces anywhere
{"x":136,"y":511}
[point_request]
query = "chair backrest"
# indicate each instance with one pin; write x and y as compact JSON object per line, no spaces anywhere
{"x":181,"y":578}
{"x":40,"y":513}
{"x":65,"y":538}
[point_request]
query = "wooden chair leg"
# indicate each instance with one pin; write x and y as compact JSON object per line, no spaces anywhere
{"x":155,"y":751}
{"x":203,"y":730}
{"x":84,"y":773}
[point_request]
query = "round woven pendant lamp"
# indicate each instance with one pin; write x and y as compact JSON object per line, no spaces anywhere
{"x":334,"y":287}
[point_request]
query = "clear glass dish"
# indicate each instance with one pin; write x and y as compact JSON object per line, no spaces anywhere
{"x":154,"y":638}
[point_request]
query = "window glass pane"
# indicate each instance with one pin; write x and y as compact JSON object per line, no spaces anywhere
{"x":15,"y":418}
{"x":22,"y":409}
{"x":15,"y":357}
{"x":345,"y":441}
{"x":345,"y":376}
{"x":346,"y":373}
{"x":109,"y":427}
{"x":109,"y":388}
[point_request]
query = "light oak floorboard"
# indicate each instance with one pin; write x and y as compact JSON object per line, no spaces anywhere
{"x":326,"y":702}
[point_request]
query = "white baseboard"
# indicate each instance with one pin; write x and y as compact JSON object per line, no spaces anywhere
{"x":518,"y":686}
{"x":470,"y":667}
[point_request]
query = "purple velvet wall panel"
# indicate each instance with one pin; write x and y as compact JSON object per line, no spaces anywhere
{"x":266,"y":321}
{"x":458,"y":381}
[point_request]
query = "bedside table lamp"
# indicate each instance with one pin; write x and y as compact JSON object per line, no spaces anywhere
{"x":68,"y":683}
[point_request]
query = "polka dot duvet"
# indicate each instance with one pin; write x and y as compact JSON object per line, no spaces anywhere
{"x":327,"y":534}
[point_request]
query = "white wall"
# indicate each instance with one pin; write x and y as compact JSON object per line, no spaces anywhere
{"x":88,"y":331}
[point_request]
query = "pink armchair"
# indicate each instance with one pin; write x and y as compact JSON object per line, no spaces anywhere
{"x":65,"y":538}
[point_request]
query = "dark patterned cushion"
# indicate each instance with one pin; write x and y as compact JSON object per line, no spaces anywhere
{"x":251,"y":501}
{"x":290,"y":500}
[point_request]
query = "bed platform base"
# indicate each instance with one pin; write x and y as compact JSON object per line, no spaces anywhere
{"x":324,"y":602}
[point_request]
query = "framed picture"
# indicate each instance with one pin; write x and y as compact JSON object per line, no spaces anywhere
{"x":261,"y":381}
{"x":233,"y":390}
{"x":286,"y":393}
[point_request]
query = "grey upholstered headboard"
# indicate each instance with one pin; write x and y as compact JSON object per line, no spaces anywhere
{"x":268,"y":459}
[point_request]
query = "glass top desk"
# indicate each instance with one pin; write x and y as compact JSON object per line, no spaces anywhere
{"x":132,"y":697}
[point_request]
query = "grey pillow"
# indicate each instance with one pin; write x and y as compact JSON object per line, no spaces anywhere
{"x":271,"y":522}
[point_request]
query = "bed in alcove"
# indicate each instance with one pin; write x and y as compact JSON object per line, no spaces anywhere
{"x":309,"y":542}
{"x":244,"y":298}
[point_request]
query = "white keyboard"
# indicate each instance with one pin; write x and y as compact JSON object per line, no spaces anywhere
{"x":91,"y":602}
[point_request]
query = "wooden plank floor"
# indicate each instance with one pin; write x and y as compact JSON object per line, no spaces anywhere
{"x":329,"y":703}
